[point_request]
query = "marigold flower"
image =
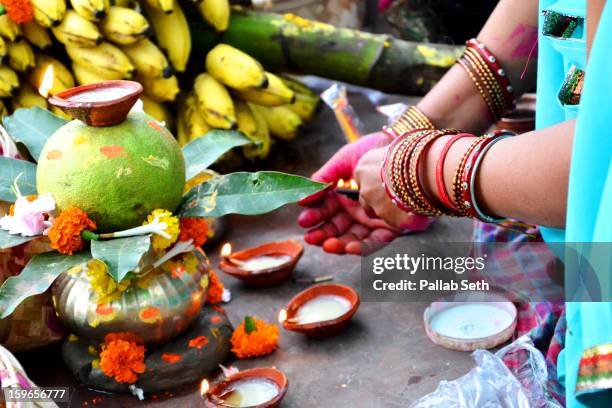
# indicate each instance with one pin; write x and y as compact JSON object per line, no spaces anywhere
{"x":106,"y":288}
{"x":65,"y":233}
{"x":215,"y":289}
{"x":195,"y":229}
{"x":254,"y":337}
{"x":169,"y":231}
{"x":122,"y":360}
{"x":127,"y":336}
{"x":20,"y":11}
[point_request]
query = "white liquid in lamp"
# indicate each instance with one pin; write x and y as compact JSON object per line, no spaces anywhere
{"x":262,"y":262}
{"x":322,"y":308}
{"x":471,"y":321}
{"x":100,"y":95}
{"x":249,"y":392}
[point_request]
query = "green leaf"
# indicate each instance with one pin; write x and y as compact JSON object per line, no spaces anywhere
{"x":9,"y":240}
{"x":121,"y":255}
{"x":9,"y":170}
{"x":246,"y":193}
{"x":32,"y":127}
{"x":37,"y":276}
{"x":204,"y":151}
{"x":249,"y":324}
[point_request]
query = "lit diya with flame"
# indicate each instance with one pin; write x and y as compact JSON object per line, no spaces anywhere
{"x":264,"y":265}
{"x":320,"y":311}
{"x":258,"y":387}
{"x":348,"y":188}
{"x":104,"y":103}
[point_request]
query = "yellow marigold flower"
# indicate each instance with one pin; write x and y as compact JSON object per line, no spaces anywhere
{"x":103,"y":284}
{"x":171,"y":229}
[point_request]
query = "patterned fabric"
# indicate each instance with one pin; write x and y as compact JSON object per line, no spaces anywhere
{"x":595,"y":369}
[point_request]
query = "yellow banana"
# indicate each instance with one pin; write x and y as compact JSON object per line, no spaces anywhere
{"x":214,"y":102}
{"x":157,"y":111}
{"x":77,"y":31}
{"x":27,"y":97}
{"x":92,"y":10}
{"x":62,"y":77}
{"x":216,"y":13}
{"x":49,"y":13}
{"x":3,"y":48}
{"x":235,"y":68}
{"x":124,"y":26}
{"x":306,"y":102}
{"x":275,"y":94}
{"x":149,"y":60}
{"x":9,"y":82}
{"x":296,"y":86}
{"x":282,"y":121}
{"x":261,"y":150}
{"x":172,"y":34}
{"x":85,"y":76}
{"x":36,"y":35}
{"x":9,"y":29}
{"x":102,"y":59}
{"x":21,"y":56}
{"x":246,"y":120}
{"x":191,"y":123}
{"x":160,"y":89}
{"x":165,"y":6}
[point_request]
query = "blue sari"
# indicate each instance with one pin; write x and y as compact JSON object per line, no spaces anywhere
{"x":585,"y":365}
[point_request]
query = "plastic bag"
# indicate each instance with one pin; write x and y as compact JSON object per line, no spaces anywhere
{"x":492,"y":385}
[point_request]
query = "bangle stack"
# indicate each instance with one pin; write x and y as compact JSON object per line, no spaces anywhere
{"x":489,"y":77}
{"x":400,"y":174}
{"x":412,"y":119}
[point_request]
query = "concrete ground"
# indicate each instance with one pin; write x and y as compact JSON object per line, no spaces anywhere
{"x":383,"y":359}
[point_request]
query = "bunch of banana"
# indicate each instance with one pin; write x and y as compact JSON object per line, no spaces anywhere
{"x":9,"y":29}
{"x":105,"y":59}
{"x":124,"y":25}
{"x":49,"y":13}
{"x":20,"y":56}
{"x":36,"y":35}
{"x":77,"y":31}
{"x":92,"y":10}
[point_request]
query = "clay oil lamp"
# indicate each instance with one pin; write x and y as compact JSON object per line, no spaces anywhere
{"x":348,"y":188}
{"x":257,"y":388}
{"x":264,"y":265}
{"x":321,"y":310}
{"x":470,"y":321}
{"x":104,"y":103}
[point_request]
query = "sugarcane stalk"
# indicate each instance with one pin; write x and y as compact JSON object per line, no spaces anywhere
{"x":293,"y":44}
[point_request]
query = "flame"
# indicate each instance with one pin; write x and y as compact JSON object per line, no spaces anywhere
{"x":226,"y":250}
{"x":47,"y":81}
{"x":282,"y":316}
{"x":341,"y":183}
{"x":204,"y":387}
{"x":353,"y":185}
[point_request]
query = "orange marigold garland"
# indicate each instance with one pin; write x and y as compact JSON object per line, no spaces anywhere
{"x":215,"y":289}
{"x":20,"y":11}
{"x":65,"y":234}
{"x":122,"y":357}
{"x":254,"y":337}
{"x":195,"y":229}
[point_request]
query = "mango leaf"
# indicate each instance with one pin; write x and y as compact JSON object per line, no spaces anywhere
{"x":204,"y":151}
{"x":9,"y":170}
{"x":9,"y":240}
{"x":121,"y":255}
{"x":37,"y":276}
{"x":246,"y":193}
{"x":32,"y":127}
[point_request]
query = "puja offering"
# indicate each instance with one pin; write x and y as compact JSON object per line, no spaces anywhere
{"x":265,"y":265}
{"x":320,"y":311}
{"x":257,"y":387}
{"x":469,"y":322}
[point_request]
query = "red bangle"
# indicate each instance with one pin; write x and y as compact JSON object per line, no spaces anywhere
{"x":440,"y":185}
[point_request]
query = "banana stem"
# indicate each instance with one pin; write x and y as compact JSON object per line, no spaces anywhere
{"x":294,"y":44}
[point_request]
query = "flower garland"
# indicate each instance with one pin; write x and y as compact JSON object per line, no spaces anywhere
{"x":20,"y":11}
{"x":195,"y":229}
{"x":254,"y":337}
{"x":122,"y":357}
{"x":65,"y":233}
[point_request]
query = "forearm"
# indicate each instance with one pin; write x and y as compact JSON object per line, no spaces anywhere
{"x":511,"y":34}
{"x":523,"y":177}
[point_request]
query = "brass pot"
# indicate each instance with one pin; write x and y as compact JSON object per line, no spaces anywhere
{"x":156,"y":311}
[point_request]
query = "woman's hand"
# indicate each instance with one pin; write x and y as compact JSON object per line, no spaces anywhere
{"x":337,"y":223}
{"x":374,"y":198}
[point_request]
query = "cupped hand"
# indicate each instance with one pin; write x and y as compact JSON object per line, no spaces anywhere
{"x":337,"y":223}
